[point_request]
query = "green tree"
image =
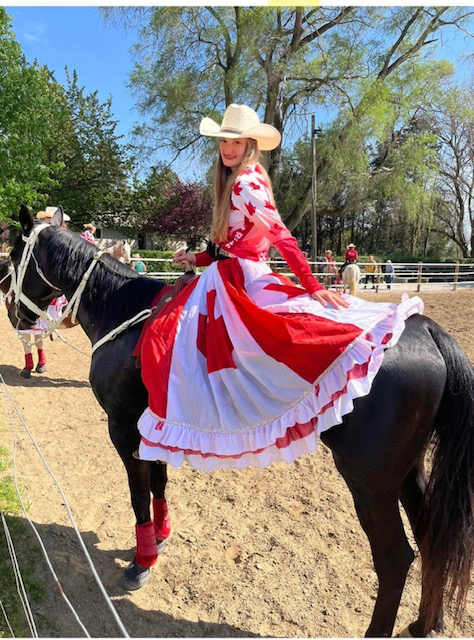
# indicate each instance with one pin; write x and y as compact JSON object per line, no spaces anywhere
{"x":452,"y":119}
{"x":94,"y":181}
{"x":32,"y":112}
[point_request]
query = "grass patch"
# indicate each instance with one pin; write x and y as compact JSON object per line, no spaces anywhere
{"x":27,"y":553}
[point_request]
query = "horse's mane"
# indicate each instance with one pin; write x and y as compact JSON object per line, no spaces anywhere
{"x":123,"y":291}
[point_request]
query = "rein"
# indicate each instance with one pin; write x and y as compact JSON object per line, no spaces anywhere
{"x":73,"y":303}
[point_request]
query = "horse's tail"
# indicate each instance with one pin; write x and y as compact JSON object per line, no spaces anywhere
{"x":447,"y":516}
{"x":351,"y":277}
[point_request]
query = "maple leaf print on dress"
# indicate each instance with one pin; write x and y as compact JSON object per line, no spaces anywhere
{"x":237,"y":188}
{"x":250,"y":208}
{"x":212,"y":339}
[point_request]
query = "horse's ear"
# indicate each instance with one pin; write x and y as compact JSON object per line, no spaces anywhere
{"x":58,"y":217}
{"x":26,"y":219}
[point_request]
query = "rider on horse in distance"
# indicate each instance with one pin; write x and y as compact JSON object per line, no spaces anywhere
{"x":351,"y":256}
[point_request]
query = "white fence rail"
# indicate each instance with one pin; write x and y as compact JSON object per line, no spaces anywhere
{"x":414,"y":276}
{"x":409,"y":276}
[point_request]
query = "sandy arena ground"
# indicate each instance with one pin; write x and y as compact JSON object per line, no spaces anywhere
{"x":275,"y":552}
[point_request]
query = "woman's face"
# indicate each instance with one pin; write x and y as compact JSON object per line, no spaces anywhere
{"x":232,"y":151}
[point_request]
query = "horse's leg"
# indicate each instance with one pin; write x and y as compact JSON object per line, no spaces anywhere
{"x":158,"y":480}
{"x":126,"y":441}
{"x":41,"y":366}
{"x":411,"y":496}
{"x":28,"y":368}
{"x":380,"y":518}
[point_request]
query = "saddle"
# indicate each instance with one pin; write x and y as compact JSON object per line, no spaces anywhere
{"x":187,"y":277}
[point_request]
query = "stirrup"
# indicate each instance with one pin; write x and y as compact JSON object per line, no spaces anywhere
{"x":136,"y":455}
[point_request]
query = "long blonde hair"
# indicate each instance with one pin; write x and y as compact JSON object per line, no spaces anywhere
{"x":224,"y":181}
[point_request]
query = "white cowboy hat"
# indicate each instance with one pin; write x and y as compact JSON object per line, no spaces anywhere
{"x":49,"y":213}
{"x":241,"y":121}
{"x":351,"y":245}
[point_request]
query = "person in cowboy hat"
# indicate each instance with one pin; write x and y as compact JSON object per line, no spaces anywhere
{"x":241,"y":138}
{"x":55,"y":309}
{"x":263,"y":355}
{"x":49,"y":212}
{"x":351,"y":256}
{"x":351,"y":253}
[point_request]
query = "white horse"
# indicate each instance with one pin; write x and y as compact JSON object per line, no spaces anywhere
{"x":351,"y":277}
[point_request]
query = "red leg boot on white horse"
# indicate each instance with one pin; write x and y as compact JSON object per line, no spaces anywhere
{"x":41,"y":366}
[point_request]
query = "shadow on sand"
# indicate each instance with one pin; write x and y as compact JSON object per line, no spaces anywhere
{"x":12,"y":378}
{"x":53,"y":617}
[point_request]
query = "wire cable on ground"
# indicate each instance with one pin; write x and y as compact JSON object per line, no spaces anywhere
{"x":20,"y":586}
{"x":40,"y":541}
{"x":7,"y":620}
{"x":66,"y":504}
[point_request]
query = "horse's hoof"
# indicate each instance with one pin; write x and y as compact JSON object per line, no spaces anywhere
{"x":40,"y":368}
{"x":161,"y":546}
{"x":136,"y":576}
{"x":25,"y":373}
{"x":406,"y":633}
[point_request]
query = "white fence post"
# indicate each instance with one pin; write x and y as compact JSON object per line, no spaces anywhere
{"x":456,"y":276}
{"x":418,"y":279}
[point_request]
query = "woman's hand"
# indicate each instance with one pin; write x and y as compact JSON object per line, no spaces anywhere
{"x":182,"y":256}
{"x":325,"y":296}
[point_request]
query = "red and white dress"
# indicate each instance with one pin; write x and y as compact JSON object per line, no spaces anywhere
{"x":244,"y":367}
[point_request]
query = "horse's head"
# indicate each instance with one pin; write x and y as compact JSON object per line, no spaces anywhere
{"x":32,"y":292}
{"x":127,"y":252}
{"x":121,"y":250}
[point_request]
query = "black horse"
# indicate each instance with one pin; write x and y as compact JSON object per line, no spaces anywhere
{"x":422,"y":398}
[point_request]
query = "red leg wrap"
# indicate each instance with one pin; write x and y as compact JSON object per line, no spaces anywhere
{"x":146,"y":553}
{"x":29,"y":361}
{"x":41,"y":357}
{"x":161,"y":519}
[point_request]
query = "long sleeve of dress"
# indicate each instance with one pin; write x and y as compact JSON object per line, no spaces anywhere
{"x":209,"y":255}
{"x":204,"y":259}
{"x":294,"y":258}
{"x":252,"y":197}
